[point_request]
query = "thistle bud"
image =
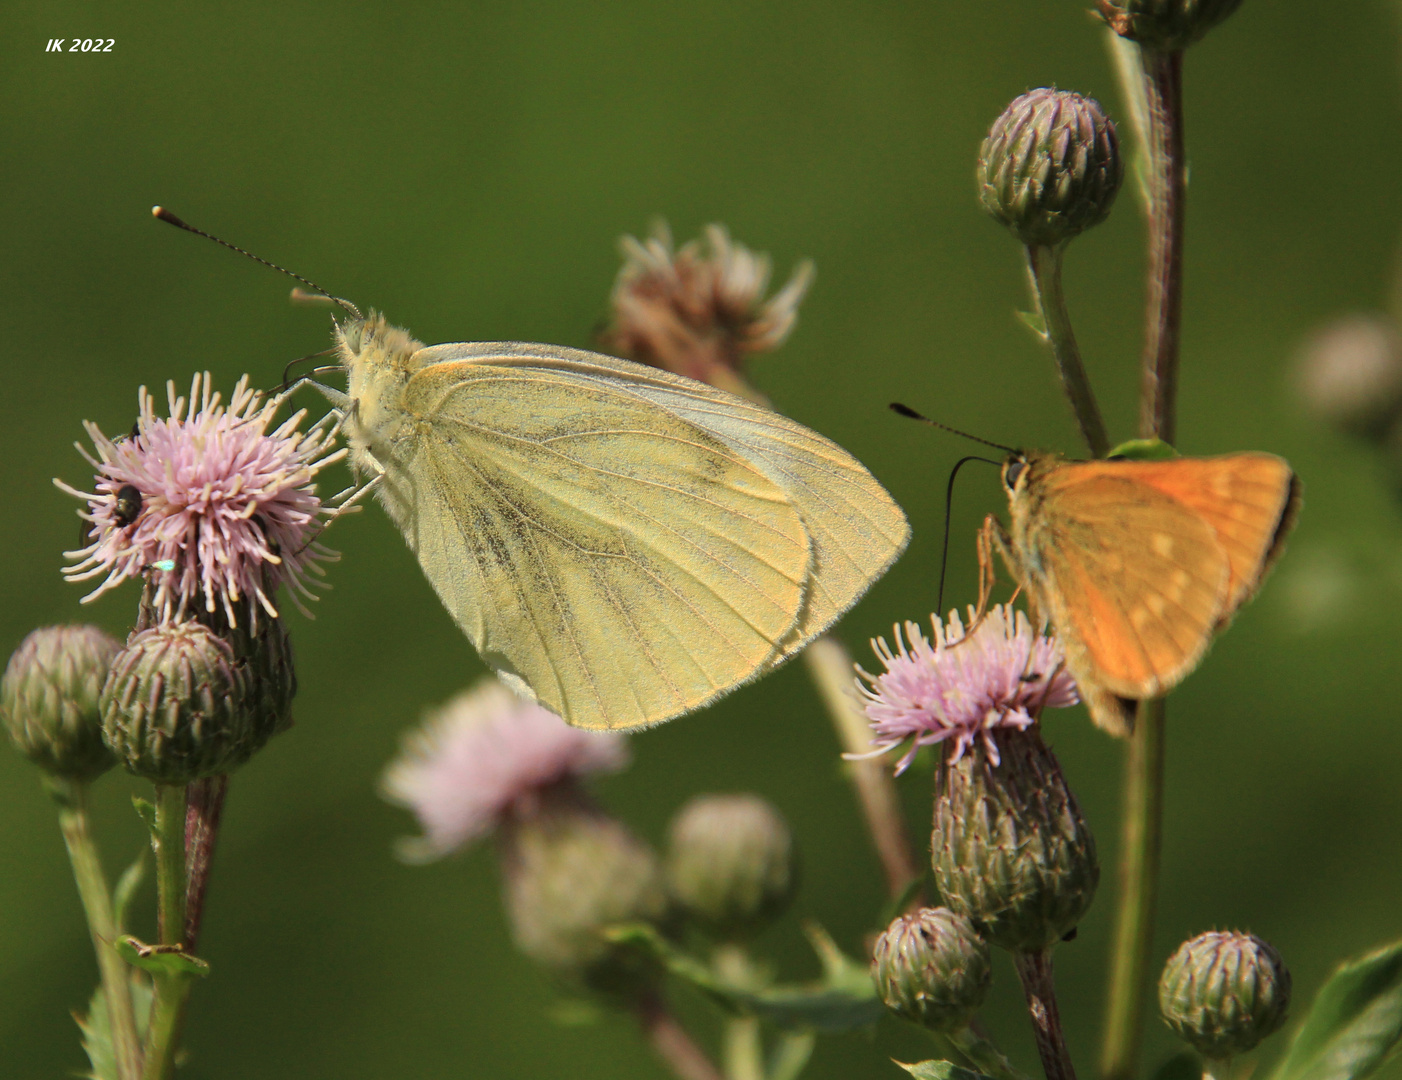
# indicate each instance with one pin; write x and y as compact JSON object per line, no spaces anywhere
{"x":731,"y":863}
{"x":180,"y":704}
{"x":1165,"y":25}
{"x":570,"y":871}
{"x":932,"y":967}
{"x":1223,"y":992}
{"x":1050,"y":167}
{"x":1010,"y":849}
{"x":49,"y":699}
{"x":1349,"y":374}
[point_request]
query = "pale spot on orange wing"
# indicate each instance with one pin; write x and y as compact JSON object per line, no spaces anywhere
{"x":1157,"y":604}
{"x":1162,"y":544}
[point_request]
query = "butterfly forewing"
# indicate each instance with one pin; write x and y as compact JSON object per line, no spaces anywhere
{"x":625,"y":563}
{"x":1133,"y":580}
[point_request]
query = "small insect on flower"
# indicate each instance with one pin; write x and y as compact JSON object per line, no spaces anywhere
{"x":479,"y":754}
{"x":220,"y":509}
{"x":966,"y":685}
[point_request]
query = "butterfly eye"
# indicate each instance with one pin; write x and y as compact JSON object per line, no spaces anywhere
{"x":128,"y":506}
{"x":1012,"y":471}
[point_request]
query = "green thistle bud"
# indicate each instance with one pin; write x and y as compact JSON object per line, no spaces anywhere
{"x":1050,"y":167}
{"x":49,"y":699}
{"x":570,"y":870}
{"x":180,"y":703}
{"x":1223,"y":992}
{"x":1010,"y":848}
{"x":932,"y":967}
{"x":1165,"y":25}
{"x":731,"y":863}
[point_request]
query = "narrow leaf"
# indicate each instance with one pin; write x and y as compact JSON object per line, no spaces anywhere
{"x":1143,"y":450}
{"x":97,"y":1039}
{"x":940,"y":1070}
{"x":791,"y":1054}
{"x":146,"y":811}
{"x":1033,"y":322}
{"x":125,"y":891}
{"x":1354,"y":1024}
{"x":159,"y":959}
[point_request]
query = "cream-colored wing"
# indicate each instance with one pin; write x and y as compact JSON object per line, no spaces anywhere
{"x":856,"y":529}
{"x":620,"y":561}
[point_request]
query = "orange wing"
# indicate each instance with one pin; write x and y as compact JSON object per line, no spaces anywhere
{"x":1134,"y":580}
{"x":1249,"y":501}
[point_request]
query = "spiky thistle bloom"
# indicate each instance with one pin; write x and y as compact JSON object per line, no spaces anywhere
{"x":210,"y":502}
{"x":700,"y":310}
{"x":480,"y":754}
{"x":964,"y":686}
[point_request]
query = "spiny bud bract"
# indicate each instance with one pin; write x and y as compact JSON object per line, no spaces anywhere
{"x":49,"y":698}
{"x":731,"y":863}
{"x":1010,"y":849}
{"x":181,"y":702}
{"x":1165,"y":25}
{"x":571,"y":871}
{"x":932,"y":967}
{"x":1223,"y":992}
{"x":1050,"y":167}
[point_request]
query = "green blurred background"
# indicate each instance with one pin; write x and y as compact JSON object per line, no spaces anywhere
{"x":468,"y":170}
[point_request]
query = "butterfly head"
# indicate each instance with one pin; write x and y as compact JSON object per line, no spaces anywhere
{"x":379,"y":359}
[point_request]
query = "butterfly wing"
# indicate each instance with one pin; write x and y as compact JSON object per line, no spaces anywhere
{"x":1248,"y":500}
{"x":855,"y":528}
{"x":1133,"y":580}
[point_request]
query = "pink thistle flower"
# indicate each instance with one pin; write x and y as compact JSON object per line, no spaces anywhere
{"x":209,"y":501}
{"x":965,"y":686}
{"x":475,"y":757}
{"x":699,"y":310}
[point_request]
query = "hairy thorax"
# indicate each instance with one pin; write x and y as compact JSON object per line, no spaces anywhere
{"x":379,"y":360}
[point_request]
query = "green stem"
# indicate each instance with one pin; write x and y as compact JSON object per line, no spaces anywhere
{"x":830,"y":666}
{"x":72,"y":799}
{"x":983,"y":1055}
{"x":1044,"y":269}
{"x":171,"y":990}
{"x":744,"y":1052}
{"x":1140,"y":844}
{"x":1038,"y":986}
{"x":1163,"y":85}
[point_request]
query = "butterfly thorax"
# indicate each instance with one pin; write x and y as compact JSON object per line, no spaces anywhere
{"x":1023,"y":474}
{"x":379,"y":360}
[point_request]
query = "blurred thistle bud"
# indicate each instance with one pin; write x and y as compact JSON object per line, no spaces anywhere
{"x":1010,"y":848}
{"x":50,"y":699}
{"x":731,"y":863}
{"x":1050,"y":167}
{"x":570,"y":871}
{"x":932,"y":967}
{"x":699,"y":311}
{"x":1349,"y":374}
{"x":180,"y":704}
{"x":1223,"y":992}
{"x":1165,"y":25}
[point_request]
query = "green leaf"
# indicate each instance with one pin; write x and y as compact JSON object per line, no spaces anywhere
{"x":125,"y":891}
{"x":1184,"y":1065}
{"x":1143,"y":450}
{"x":1033,"y":322}
{"x":839,"y":1002}
{"x":146,"y":811}
{"x":163,"y":960}
{"x":940,"y":1070}
{"x":791,"y":1054}
{"x":97,"y":1039}
{"x":1354,"y":1024}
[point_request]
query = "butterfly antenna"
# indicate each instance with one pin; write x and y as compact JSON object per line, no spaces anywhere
{"x":911,"y":414}
{"x":162,"y":214}
{"x":948,"y":517}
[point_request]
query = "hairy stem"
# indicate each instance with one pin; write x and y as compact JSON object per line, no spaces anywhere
{"x":1140,"y":843}
{"x":1163,"y":85}
{"x":1035,"y":971}
{"x":171,"y":989}
{"x":204,"y":808}
{"x":672,"y":1043}
{"x":1044,"y":270}
{"x":72,"y":799}
{"x":830,"y":665}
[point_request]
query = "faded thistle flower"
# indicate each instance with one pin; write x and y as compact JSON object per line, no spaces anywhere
{"x":49,"y":699}
{"x":1223,"y":992}
{"x":483,"y":751}
{"x":931,"y":966}
{"x":731,"y":863}
{"x":216,"y":508}
{"x":490,"y":760}
{"x":1050,"y":166}
{"x":1165,"y":25}
{"x":699,"y":311}
{"x":964,"y":687}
